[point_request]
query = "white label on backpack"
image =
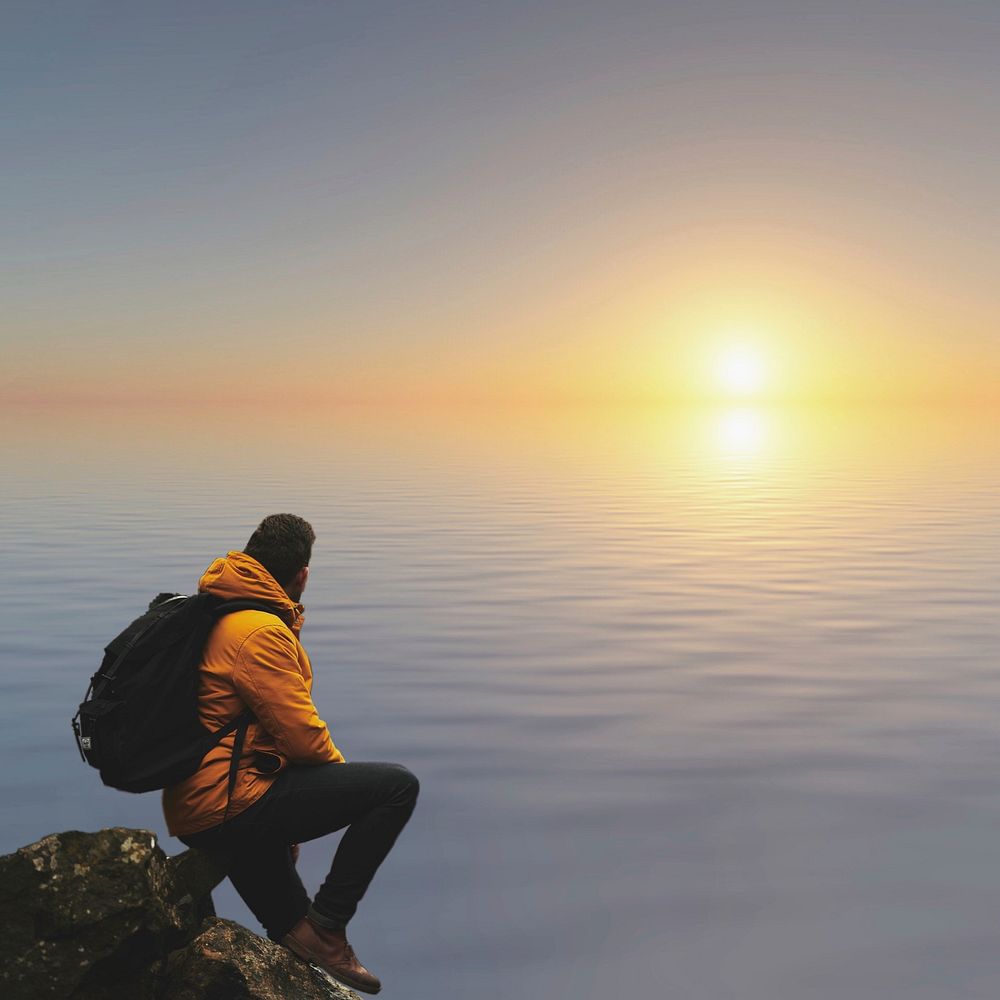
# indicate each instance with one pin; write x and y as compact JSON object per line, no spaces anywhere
{"x":85,"y":742}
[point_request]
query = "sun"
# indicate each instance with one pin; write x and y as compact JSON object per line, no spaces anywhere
{"x":740,"y":370}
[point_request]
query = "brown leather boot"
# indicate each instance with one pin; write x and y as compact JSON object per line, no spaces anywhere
{"x":330,"y":951}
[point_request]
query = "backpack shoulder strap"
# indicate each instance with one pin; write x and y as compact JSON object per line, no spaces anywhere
{"x":240,"y":725}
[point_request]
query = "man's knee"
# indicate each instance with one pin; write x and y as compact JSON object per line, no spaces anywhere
{"x":407,"y":785}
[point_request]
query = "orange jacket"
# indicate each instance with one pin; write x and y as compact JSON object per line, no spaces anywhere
{"x":252,"y":660}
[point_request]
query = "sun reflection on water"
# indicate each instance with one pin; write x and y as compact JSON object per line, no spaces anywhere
{"x":741,"y":431}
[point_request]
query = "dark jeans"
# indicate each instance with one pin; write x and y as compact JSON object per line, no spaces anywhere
{"x":373,"y":799}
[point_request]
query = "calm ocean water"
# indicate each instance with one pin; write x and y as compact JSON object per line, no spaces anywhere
{"x":704,"y":709}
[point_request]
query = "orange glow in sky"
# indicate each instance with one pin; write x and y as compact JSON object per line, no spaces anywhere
{"x":555,"y":206}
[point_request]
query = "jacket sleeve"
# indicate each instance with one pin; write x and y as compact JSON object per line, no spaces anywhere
{"x":267,"y":677}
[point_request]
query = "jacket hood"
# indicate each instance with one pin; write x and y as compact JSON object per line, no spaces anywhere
{"x":238,"y":575}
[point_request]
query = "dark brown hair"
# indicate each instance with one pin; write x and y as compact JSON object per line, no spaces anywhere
{"x":282,"y":544}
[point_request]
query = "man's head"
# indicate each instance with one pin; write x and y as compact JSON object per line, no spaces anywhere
{"x":282,"y":544}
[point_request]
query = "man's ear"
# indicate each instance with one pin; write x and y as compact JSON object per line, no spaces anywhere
{"x":298,"y":583}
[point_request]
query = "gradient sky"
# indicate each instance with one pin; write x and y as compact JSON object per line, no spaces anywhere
{"x":418,"y":200}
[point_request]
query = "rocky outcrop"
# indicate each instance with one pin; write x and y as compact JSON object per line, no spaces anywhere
{"x":107,"y":915}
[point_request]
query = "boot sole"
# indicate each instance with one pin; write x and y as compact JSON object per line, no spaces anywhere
{"x":343,"y":981}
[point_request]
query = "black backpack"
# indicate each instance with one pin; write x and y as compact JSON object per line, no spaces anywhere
{"x":138,"y":723}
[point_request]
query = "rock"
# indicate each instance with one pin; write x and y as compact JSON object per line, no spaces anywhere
{"x":78,"y":908}
{"x":228,"y":962}
{"x":107,"y":915}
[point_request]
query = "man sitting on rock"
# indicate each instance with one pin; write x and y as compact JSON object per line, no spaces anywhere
{"x":292,"y":783}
